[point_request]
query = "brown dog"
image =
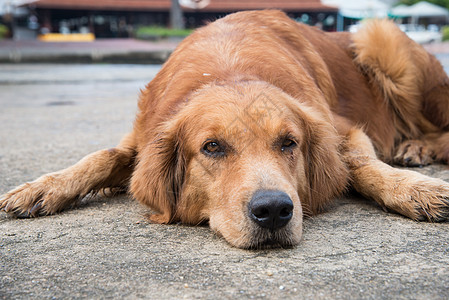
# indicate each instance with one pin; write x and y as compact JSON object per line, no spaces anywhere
{"x":256,"y":120}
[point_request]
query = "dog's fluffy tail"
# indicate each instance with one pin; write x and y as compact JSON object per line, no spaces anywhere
{"x":391,"y":62}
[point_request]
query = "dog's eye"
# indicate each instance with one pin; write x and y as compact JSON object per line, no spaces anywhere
{"x":287,"y":144}
{"x":213,"y":148}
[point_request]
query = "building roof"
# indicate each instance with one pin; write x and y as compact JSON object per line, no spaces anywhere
{"x":159,"y":5}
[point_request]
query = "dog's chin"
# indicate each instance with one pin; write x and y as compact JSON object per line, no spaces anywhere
{"x":269,"y":244}
{"x":267,"y":239}
{"x":259,"y":238}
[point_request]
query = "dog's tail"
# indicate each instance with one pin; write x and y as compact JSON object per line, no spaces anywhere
{"x":391,"y":62}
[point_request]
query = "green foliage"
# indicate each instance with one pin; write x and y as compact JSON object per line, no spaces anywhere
{"x":445,"y":32}
{"x":152,"y":32}
{"x":3,"y":31}
{"x":443,"y":3}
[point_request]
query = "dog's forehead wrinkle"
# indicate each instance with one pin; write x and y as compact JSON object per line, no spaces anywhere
{"x":249,"y":112}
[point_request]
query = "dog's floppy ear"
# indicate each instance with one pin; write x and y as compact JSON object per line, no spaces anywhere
{"x":326,"y":172}
{"x":159,"y":174}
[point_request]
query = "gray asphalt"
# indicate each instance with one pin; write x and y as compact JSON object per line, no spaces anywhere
{"x":53,"y":115}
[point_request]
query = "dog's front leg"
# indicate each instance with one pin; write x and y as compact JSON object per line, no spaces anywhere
{"x":53,"y":192}
{"x":409,"y":193}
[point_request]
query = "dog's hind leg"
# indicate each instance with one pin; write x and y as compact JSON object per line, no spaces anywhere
{"x":409,"y":193}
{"x":414,"y":153}
{"x":56,"y":191}
{"x":424,"y":151}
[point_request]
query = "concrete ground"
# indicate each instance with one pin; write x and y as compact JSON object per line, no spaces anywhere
{"x":52,"y":115}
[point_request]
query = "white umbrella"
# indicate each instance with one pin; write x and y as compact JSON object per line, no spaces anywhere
{"x":360,"y":9}
{"x":420,"y":9}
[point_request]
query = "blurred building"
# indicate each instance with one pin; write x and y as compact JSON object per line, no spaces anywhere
{"x":118,"y":18}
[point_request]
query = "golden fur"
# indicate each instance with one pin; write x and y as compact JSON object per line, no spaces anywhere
{"x":256,"y":104}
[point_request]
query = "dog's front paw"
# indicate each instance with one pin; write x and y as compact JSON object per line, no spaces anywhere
{"x":432,"y":203}
{"x":44,"y":196}
{"x":419,"y":197}
{"x":414,"y":153}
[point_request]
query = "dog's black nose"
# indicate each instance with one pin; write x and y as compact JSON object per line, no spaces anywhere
{"x":270,"y":209}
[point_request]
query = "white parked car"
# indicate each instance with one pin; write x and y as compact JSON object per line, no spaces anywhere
{"x":420,"y":34}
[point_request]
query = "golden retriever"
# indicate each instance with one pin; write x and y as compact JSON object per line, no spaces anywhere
{"x":255,"y":121}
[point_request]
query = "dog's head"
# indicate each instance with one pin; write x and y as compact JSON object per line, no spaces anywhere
{"x":246,"y":157}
